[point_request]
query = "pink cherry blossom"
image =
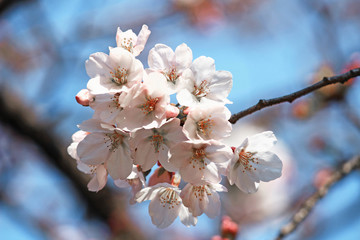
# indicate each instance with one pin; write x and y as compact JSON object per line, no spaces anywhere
{"x":253,"y":162}
{"x":207,"y":123}
{"x":129,"y":41}
{"x":165,"y":205}
{"x":171,"y":64}
{"x":107,"y":145}
{"x":115,"y":72}
{"x":197,"y":162}
{"x":203,"y":199}
{"x":153,"y":145}
{"x":204,"y":84}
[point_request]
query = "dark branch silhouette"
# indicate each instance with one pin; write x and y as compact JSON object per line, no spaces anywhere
{"x":263,"y":103}
{"x":309,"y":204}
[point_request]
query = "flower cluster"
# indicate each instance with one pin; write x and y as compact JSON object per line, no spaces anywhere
{"x":135,"y":127}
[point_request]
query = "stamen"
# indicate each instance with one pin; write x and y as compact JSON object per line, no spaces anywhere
{"x":201,"y":191}
{"x":127,"y":44}
{"x":120,"y":76}
{"x":169,"y":198}
{"x":150,"y":105}
{"x":157,"y":140}
{"x":247,"y":160}
{"x":198,"y":158}
{"x":114,"y":140}
{"x":204,"y":126}
{"x":172,"y":75}
{"x":202,"y":90}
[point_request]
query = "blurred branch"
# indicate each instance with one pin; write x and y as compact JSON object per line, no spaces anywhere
{"x":309,"y":204}
{"x":263,"y":103}
{"x":104,"y":204}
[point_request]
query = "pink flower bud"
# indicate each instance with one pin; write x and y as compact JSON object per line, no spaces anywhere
{"x":160,"y":175}
{"x":186,"y":111}
{"x":83,"y":97}
{"x":229,"y":227}
{"x":171,"y":111}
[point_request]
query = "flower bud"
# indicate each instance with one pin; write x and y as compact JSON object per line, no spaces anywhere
{"x":160,"y":175}
{"x":172,"y":111}
{"x":83,"y":97}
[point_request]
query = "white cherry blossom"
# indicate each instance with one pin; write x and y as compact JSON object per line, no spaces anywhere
{"x":135,"y":180}
{"x":99,"y":178}
{"x":204,"y":84}
{"x":171,"y":64}
{"x":203,"y":199}
{"x":106,"y":145}
{"x":197,"y":162}
{"x":153,"y":145}
{"x":207,"y":122}
{"x":145,"y":108}
{"x":129,"y":41}
{"x":115,"y":72}
{"x":253,"y":162}
{"x":165,"y":205}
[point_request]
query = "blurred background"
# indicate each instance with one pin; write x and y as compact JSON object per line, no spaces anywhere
{"x":271,"y":47}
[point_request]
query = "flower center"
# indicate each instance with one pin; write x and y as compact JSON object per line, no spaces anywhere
{"x":197,"y":160}
{"x":157,"y":140}
{"x":200,"y":191}
{"x":114,"y":140}
{"x":172,"y":75}
{"x":247,"y":160}
{"x":127,"y":43}
{"x":202,"y":90}
{"x":120,"y":76}
{"x":169,"y":198}
{"x":204,"y":126}
{"x":150,"y":105}
{"x":115,"y":99}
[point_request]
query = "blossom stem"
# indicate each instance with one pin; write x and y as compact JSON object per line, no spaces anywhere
{"x":306,"y":208}
{"x":263,"y":103}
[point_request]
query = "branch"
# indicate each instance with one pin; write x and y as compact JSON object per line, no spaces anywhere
{"x":263,"y":103}
{"x":309,"y":204}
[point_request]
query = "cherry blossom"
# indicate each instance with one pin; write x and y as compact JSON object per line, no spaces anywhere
{"x":207,"y":123}
{"x":165,"y":205}
{"x":129,"y":41}
{"x":107,"y":145}
{"x":253,"y":162}
{"x":153,"y":145}
{"x":204,"y":84}
{"x":171,"y":64}
{"x":197,"y":162}
{"x":99,"y":178}
{"x":135,"y":180}
{"x":145,"y":108}
{"x":115,"y":72}
{"x":202,"y":199}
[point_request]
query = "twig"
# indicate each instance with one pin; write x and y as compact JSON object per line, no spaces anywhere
{"x":263,"y":103}
{"x":308,"y":205}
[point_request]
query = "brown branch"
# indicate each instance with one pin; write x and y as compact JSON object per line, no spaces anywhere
{"x":309,"y":204}
{"x":263,"y":103}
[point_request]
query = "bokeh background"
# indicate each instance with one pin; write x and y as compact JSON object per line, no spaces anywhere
{"x":272,"y":48}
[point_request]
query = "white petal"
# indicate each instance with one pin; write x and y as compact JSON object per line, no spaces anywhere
{"x":119,"y":163}
{"x":203,"y":68}
{"x":161,"y":57}
{"x":92,"y":150}
{"x":261,"y":142}
{"x":183,"y":56}
{"x":99,"y":180}
{"x":98,"y":64}
{"x":141,"y":40}
{"x":186,"y":217}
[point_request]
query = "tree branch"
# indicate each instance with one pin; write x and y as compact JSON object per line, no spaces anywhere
{"x":309,"y":204}
{"x":263,"y":103}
